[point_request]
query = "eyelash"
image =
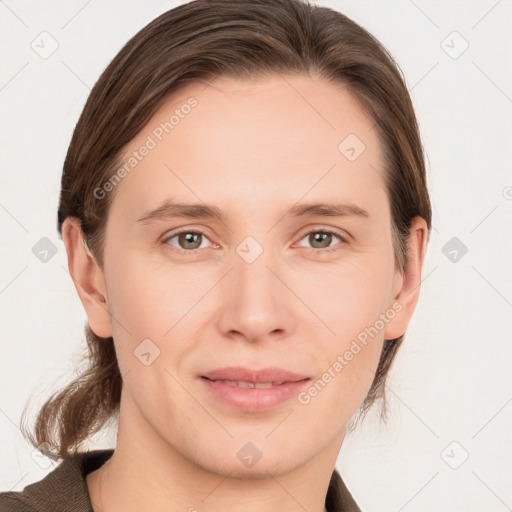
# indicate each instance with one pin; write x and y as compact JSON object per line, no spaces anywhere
{"x":317,"y":251}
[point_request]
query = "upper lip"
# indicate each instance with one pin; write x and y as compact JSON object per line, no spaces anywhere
{"x":241,"y":374}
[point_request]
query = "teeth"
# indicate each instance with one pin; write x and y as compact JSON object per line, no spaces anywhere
{"x":250,"y":385}
{"x":242,"y":384}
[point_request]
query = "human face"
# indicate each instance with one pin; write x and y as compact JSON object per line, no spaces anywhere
{"x":259,"y":287}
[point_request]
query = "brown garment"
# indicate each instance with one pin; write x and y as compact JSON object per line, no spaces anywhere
{"x":64,"y":489}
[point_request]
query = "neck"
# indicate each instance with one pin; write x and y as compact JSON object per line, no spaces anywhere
{"x":146,"y":473}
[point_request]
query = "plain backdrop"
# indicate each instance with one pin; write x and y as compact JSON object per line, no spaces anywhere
{"x":447,"y":444}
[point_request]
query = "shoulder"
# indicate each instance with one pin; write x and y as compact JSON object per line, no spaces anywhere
{"x":13,"y":502}
{"x":63,"y":489}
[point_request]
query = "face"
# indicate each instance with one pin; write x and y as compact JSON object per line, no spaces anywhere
{"x":266,"y":283}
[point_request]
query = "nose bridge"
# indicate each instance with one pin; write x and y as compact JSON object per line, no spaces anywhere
{"x":258,"y":302}
{"x":252,"y":261}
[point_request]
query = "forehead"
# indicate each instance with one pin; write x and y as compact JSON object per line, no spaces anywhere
{"x":252,"y":141}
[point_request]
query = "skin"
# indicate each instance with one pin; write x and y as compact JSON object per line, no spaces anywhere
{"x":253,"y":149}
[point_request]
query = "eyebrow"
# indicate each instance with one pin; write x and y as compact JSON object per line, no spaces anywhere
{"x":171,"y":209}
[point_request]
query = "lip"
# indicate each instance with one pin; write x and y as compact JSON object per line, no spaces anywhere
{"x":239,"y":373}
{"x":254,"y":399}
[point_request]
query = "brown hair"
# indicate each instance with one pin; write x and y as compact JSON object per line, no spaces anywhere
{"x":199,"y":41}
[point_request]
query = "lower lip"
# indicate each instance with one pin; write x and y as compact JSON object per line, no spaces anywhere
{"x":254,"y":399}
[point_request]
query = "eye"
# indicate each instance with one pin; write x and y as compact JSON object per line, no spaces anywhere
{"x":188,"y":241}
{"x":322,"y":239}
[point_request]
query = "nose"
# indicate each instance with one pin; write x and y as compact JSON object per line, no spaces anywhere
{"x":256,"y":304}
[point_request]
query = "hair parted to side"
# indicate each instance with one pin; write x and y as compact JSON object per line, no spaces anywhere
{"x":197,"y":42}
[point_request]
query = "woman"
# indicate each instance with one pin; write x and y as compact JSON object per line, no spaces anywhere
{"x":245,"y":214}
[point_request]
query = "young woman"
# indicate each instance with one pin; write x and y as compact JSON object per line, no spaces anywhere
{"x":245,"y":213}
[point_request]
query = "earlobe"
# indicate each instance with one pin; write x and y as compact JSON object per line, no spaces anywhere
{"x":87,"y":277}
{"x":408,"y":283}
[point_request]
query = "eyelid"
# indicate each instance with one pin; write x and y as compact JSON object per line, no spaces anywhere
{"x":176,"y":231}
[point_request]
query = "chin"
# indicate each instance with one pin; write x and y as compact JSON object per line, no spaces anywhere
{"x":260,"y":471}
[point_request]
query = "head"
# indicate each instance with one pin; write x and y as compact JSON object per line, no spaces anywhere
{"x":254,"y":110}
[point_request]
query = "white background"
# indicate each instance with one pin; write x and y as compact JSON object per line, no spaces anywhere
{"x":451,"y":380}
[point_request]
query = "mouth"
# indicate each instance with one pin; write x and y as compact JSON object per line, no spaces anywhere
{"x":250,"y":396}
{"x":248,"y":376}
{"x":253,"y":385}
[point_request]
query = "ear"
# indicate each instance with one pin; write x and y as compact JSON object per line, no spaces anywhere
{"x":406,"y":286}
{"x":87,"y":277}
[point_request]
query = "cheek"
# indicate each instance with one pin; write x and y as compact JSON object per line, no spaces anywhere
{"x":351,"y":303}
{"x":149,"y":306}
{"x":348,"y":366}
{"x":347,"y":298}
{"x":161,"y":303}
{"x":150,"y":298}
